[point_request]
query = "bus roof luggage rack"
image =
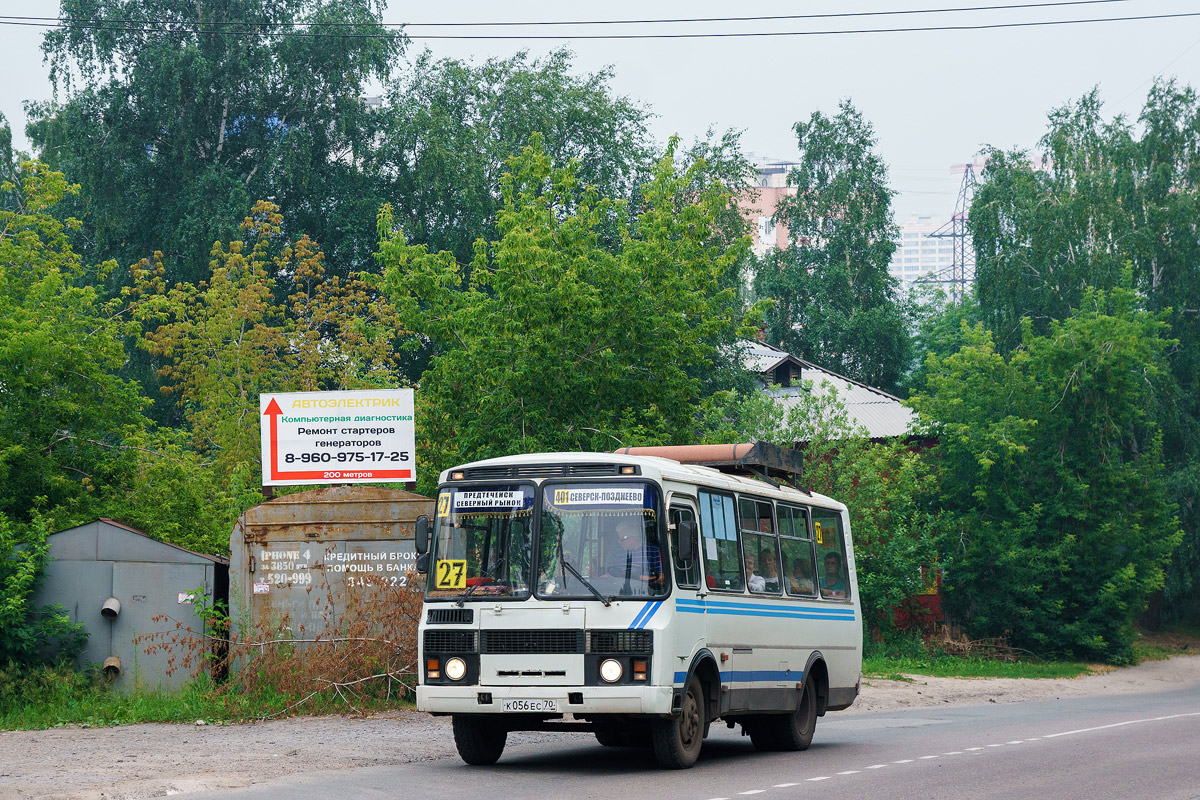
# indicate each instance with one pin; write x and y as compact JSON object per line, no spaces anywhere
{"x":768,"y":462}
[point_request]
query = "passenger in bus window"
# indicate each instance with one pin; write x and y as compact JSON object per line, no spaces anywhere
{"x":833,"y":584}
{"x":770,"y":570}
{"x":756,"y":582}
{"x":635,"y":560}
{"x":801,"y":581}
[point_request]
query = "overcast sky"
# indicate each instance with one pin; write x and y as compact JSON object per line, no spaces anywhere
{"x":934,"y":97}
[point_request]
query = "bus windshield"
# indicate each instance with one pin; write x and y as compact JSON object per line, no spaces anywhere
{"x":600,"y":539}
{"x":481,"y":543}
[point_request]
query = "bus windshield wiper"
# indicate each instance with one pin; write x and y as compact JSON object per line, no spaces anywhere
{"x":487,"y":573}
{"x":571,"y":569}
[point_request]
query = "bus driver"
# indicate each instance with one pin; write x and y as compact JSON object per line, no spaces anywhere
{"x":635,"y":560}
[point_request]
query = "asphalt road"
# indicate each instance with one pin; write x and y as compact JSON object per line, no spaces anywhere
{"x":1130,"y":746}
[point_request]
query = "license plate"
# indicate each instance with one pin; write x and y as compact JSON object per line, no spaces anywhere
{"x":536,"y":706}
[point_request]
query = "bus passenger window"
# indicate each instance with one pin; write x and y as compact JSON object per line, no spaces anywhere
{"x":719,"y":542}
{"x":833,"y":576}
{"x":797,"y":547}
{"x":760,"y":552}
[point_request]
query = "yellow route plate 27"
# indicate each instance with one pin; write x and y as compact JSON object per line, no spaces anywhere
{"x":451,"y":573}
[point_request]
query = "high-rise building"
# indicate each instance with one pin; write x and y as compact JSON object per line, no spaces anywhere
{"x":770,"y":188}
{"x":917,"y":255}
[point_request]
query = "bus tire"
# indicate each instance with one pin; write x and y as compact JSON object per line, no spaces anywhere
{"x":677,"y":741}
{"x":480,"y":741}
{"x":762,"y":730}
{"x":609,"y":737}
{"x":795,"y":731}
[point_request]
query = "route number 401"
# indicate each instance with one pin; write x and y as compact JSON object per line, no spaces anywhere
{"x":451,"y":573}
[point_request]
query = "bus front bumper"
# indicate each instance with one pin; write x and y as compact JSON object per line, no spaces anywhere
{"x":595,"y":699}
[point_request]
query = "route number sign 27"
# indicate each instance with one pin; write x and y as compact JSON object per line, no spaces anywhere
{"x":451,"y":574}
{"x":338,"y":437}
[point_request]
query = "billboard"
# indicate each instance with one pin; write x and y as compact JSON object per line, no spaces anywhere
{"x":338,"y":437}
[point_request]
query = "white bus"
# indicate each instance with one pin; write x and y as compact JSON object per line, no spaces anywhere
{"x":636,"y":597}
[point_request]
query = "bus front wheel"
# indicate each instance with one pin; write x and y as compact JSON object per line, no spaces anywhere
{"x":479,"y":740}
{"x":677,"y":741}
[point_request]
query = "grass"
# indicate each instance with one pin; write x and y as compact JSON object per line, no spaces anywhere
{"x":54,"y":696}
{"x":909,"y":655}
{"x":1172,"y":640}
{"x":944,"y":666}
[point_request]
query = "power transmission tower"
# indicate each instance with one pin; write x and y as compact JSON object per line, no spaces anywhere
{"x":961,"y":272}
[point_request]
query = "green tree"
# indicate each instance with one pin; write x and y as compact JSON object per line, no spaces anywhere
{"x":450,"y":127}
{"x":558,"y":343}
{"x":889,"y":487}
{"x":1104,"y":196}
{"x":834,"y":301}
{"x":941,"y":328}
{"x":63,"y":412}
{"x":177,"y":115}
{"x":1053,"y":479}
{"x":225,"y":340}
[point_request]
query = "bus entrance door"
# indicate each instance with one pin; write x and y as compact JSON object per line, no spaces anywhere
{"x":689,"y":603}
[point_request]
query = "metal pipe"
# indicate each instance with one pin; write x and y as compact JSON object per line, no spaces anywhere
{"x":110,"y":609}
{"x":112,"y":666}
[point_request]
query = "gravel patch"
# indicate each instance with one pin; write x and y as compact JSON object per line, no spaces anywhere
{"x":134,"y":762}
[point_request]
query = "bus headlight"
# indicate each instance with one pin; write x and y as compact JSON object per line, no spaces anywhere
{"x":456,"y":668}
{"x":611,"y":670}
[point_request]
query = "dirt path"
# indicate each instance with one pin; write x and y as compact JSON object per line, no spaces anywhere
{"x":142,"y":761}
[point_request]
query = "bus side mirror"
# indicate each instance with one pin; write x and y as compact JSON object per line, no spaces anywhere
{"x":423,"y":563}
{"x":422,"y":535}
{"x":687,"y":541}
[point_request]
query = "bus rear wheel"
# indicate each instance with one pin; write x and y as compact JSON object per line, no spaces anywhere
{"x":677,"y":741}
{"x":479,"y":740}
{"x":795,"y":731}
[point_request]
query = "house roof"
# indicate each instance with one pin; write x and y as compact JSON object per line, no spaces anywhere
{"x":882,"y":415}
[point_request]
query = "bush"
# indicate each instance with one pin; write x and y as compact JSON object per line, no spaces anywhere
{"x":28,"y":634}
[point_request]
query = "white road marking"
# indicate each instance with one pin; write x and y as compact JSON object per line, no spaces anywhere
{"x":974,"y":748}
{"x":849,"y":772}
{"x":926,"y":757}
{"x":877,"y":766}
{"x":903,"y":761}
{"x":753,"y":791}
{"x":953,"y":753}
{"x":995,"y":745}
{"x":1018,"y":741}
{"x":822,"y":778}
{"x":1119,"y":724}
{"x":1034,"y":739}
{"x":785,"y":785}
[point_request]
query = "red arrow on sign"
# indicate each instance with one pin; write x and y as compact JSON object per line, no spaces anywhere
{"x":273,"y":411}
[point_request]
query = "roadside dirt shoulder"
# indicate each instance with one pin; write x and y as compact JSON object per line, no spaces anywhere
{"x":887,"y":695}
{"x":142,"y":761}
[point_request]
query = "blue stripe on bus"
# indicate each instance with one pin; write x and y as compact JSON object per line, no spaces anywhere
{"x":652,"y":610}
{"x":776,"y":611}
{"x":753,"y":675}
{"x":633,"y":625}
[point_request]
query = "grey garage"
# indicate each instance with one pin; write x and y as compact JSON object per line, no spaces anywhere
{"x":116,"y":580}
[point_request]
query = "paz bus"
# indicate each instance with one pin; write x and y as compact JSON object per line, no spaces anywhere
{"x":636,"y":596}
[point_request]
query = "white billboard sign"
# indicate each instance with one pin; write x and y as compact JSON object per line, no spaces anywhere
{"x":338,"y":437}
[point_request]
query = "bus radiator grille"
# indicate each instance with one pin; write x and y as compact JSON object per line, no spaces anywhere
{"x":621,"y":641}
{"x":450,"y":641}
{"x":531,"y":642}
